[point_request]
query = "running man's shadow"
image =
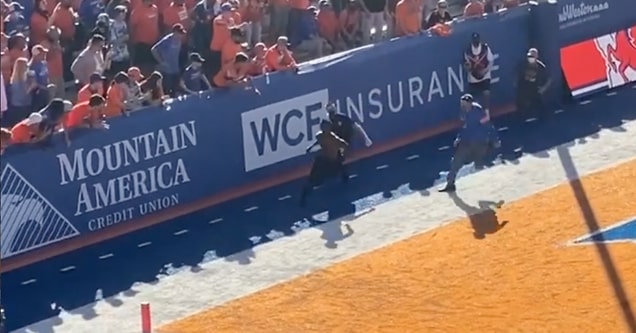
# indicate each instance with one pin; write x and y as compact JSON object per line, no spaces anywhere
{"x":483,"y":218}
{"x":334,"y":232}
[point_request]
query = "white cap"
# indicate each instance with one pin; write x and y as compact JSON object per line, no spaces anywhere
{"x":67,"y":105}
{"x":34,"y":119}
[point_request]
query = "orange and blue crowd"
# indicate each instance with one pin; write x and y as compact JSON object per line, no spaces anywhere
{"x":69,"y":64}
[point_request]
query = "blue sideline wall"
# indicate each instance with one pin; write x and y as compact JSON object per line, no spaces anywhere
{"x":162,"y":163}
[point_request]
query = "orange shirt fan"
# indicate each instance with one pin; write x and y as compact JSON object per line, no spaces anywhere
{"x":441,"y":29}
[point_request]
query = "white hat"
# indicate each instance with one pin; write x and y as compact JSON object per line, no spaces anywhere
{"x":34,"y":119}
{"x":68,"y":106}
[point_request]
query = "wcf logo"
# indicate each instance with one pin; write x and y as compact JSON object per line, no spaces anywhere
{"x":283,"y":130}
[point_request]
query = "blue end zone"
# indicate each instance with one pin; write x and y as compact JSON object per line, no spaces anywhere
{"x":618,"y":233}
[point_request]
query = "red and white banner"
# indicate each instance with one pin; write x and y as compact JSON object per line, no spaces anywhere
{"x":600,"y":63}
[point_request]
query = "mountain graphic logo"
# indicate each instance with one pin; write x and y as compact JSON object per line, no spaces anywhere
{"x":27,"y":219}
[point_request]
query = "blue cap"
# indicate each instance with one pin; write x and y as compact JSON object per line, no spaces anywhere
{"x":226,"y":7}
{"x":467,"y":97}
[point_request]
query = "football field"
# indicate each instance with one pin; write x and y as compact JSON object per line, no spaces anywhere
{"x":542,"y":241}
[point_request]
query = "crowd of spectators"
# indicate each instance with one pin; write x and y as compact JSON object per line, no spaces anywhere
{"x":111,"y":57}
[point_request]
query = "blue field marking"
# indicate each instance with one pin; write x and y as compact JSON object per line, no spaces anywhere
{"x":218,"y":232}
{"x":618,"y":233}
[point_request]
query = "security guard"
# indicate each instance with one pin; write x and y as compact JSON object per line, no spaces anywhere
{"x":345,"y":127}
{"x":329,"y":160}
{"x":474,"y":141}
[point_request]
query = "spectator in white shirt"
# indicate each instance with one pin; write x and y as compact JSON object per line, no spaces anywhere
{"x":90,"y":60}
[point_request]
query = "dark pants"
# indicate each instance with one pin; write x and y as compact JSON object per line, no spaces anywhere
{"x":118,"y":66}
{"x":15,"y":114}
{"x":171,"y":84}
{"x":529,"y":101}
{"x":466,"y":153}
{"x":212,"y":64}
{"x":321,"y":169}
{"x":294,"y":23}
{"x":143,"y":58}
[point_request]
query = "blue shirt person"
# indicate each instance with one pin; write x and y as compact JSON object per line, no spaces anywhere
{"x":473,"y":142}
{"x":202,"y":15}
{"x":88,"y":12}
{"x":193,"y":80}
{"x":166,"y":51}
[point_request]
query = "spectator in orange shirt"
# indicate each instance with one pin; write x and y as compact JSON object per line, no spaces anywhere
{"x":176,"y":12}
{"x":85,"y":115}
{"x":439,"y":15}
{"x":258,"y":65}
{"x":27,"y":130}
{"x":351,"y":24}
{"x":328,"y":25}
{"x":5,"y":139}
{"x":144,"y":31}
{"x":64,"y":17}
{"x":116,"y":96}
{"x":55,"y":61}
{"x":408,"y":17}
{"x":39,"y":22}
{"x":279,"y":57}
{"x":234,"y":73}
{"x":232,"y":46}
{"x":238,"y":9}
{"x":221,"y":26}
{"x":475,"y":8}
{"x":95,"y":86}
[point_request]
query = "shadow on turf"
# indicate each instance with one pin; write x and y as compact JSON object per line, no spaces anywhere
{"x":601,"y":248}
{"x":204,"y":242}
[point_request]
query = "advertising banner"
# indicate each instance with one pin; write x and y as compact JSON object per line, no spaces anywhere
{"x":584,"y":19}
{"x":600,"y":63}
{"x":163,"y":162}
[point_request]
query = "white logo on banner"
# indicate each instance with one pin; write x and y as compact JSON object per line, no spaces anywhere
{"x":282,"y":130}
{"x":572,"y":14}
{"x":28,"y":220}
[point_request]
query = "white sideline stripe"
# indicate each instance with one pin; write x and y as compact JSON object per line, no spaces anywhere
{"x":220,"y":281}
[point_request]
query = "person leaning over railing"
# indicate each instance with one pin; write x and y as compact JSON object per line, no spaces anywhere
{"x":116,"y":96}
{"x":152,"y":89}
{"x":27,"y":130}
{"x":279,"y":57}
{"x":53,"y":118}
{"x":85,"y":115}
{"x":193,"y":80}
{"x":94,"y":86}
{"x":408,"y":18}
